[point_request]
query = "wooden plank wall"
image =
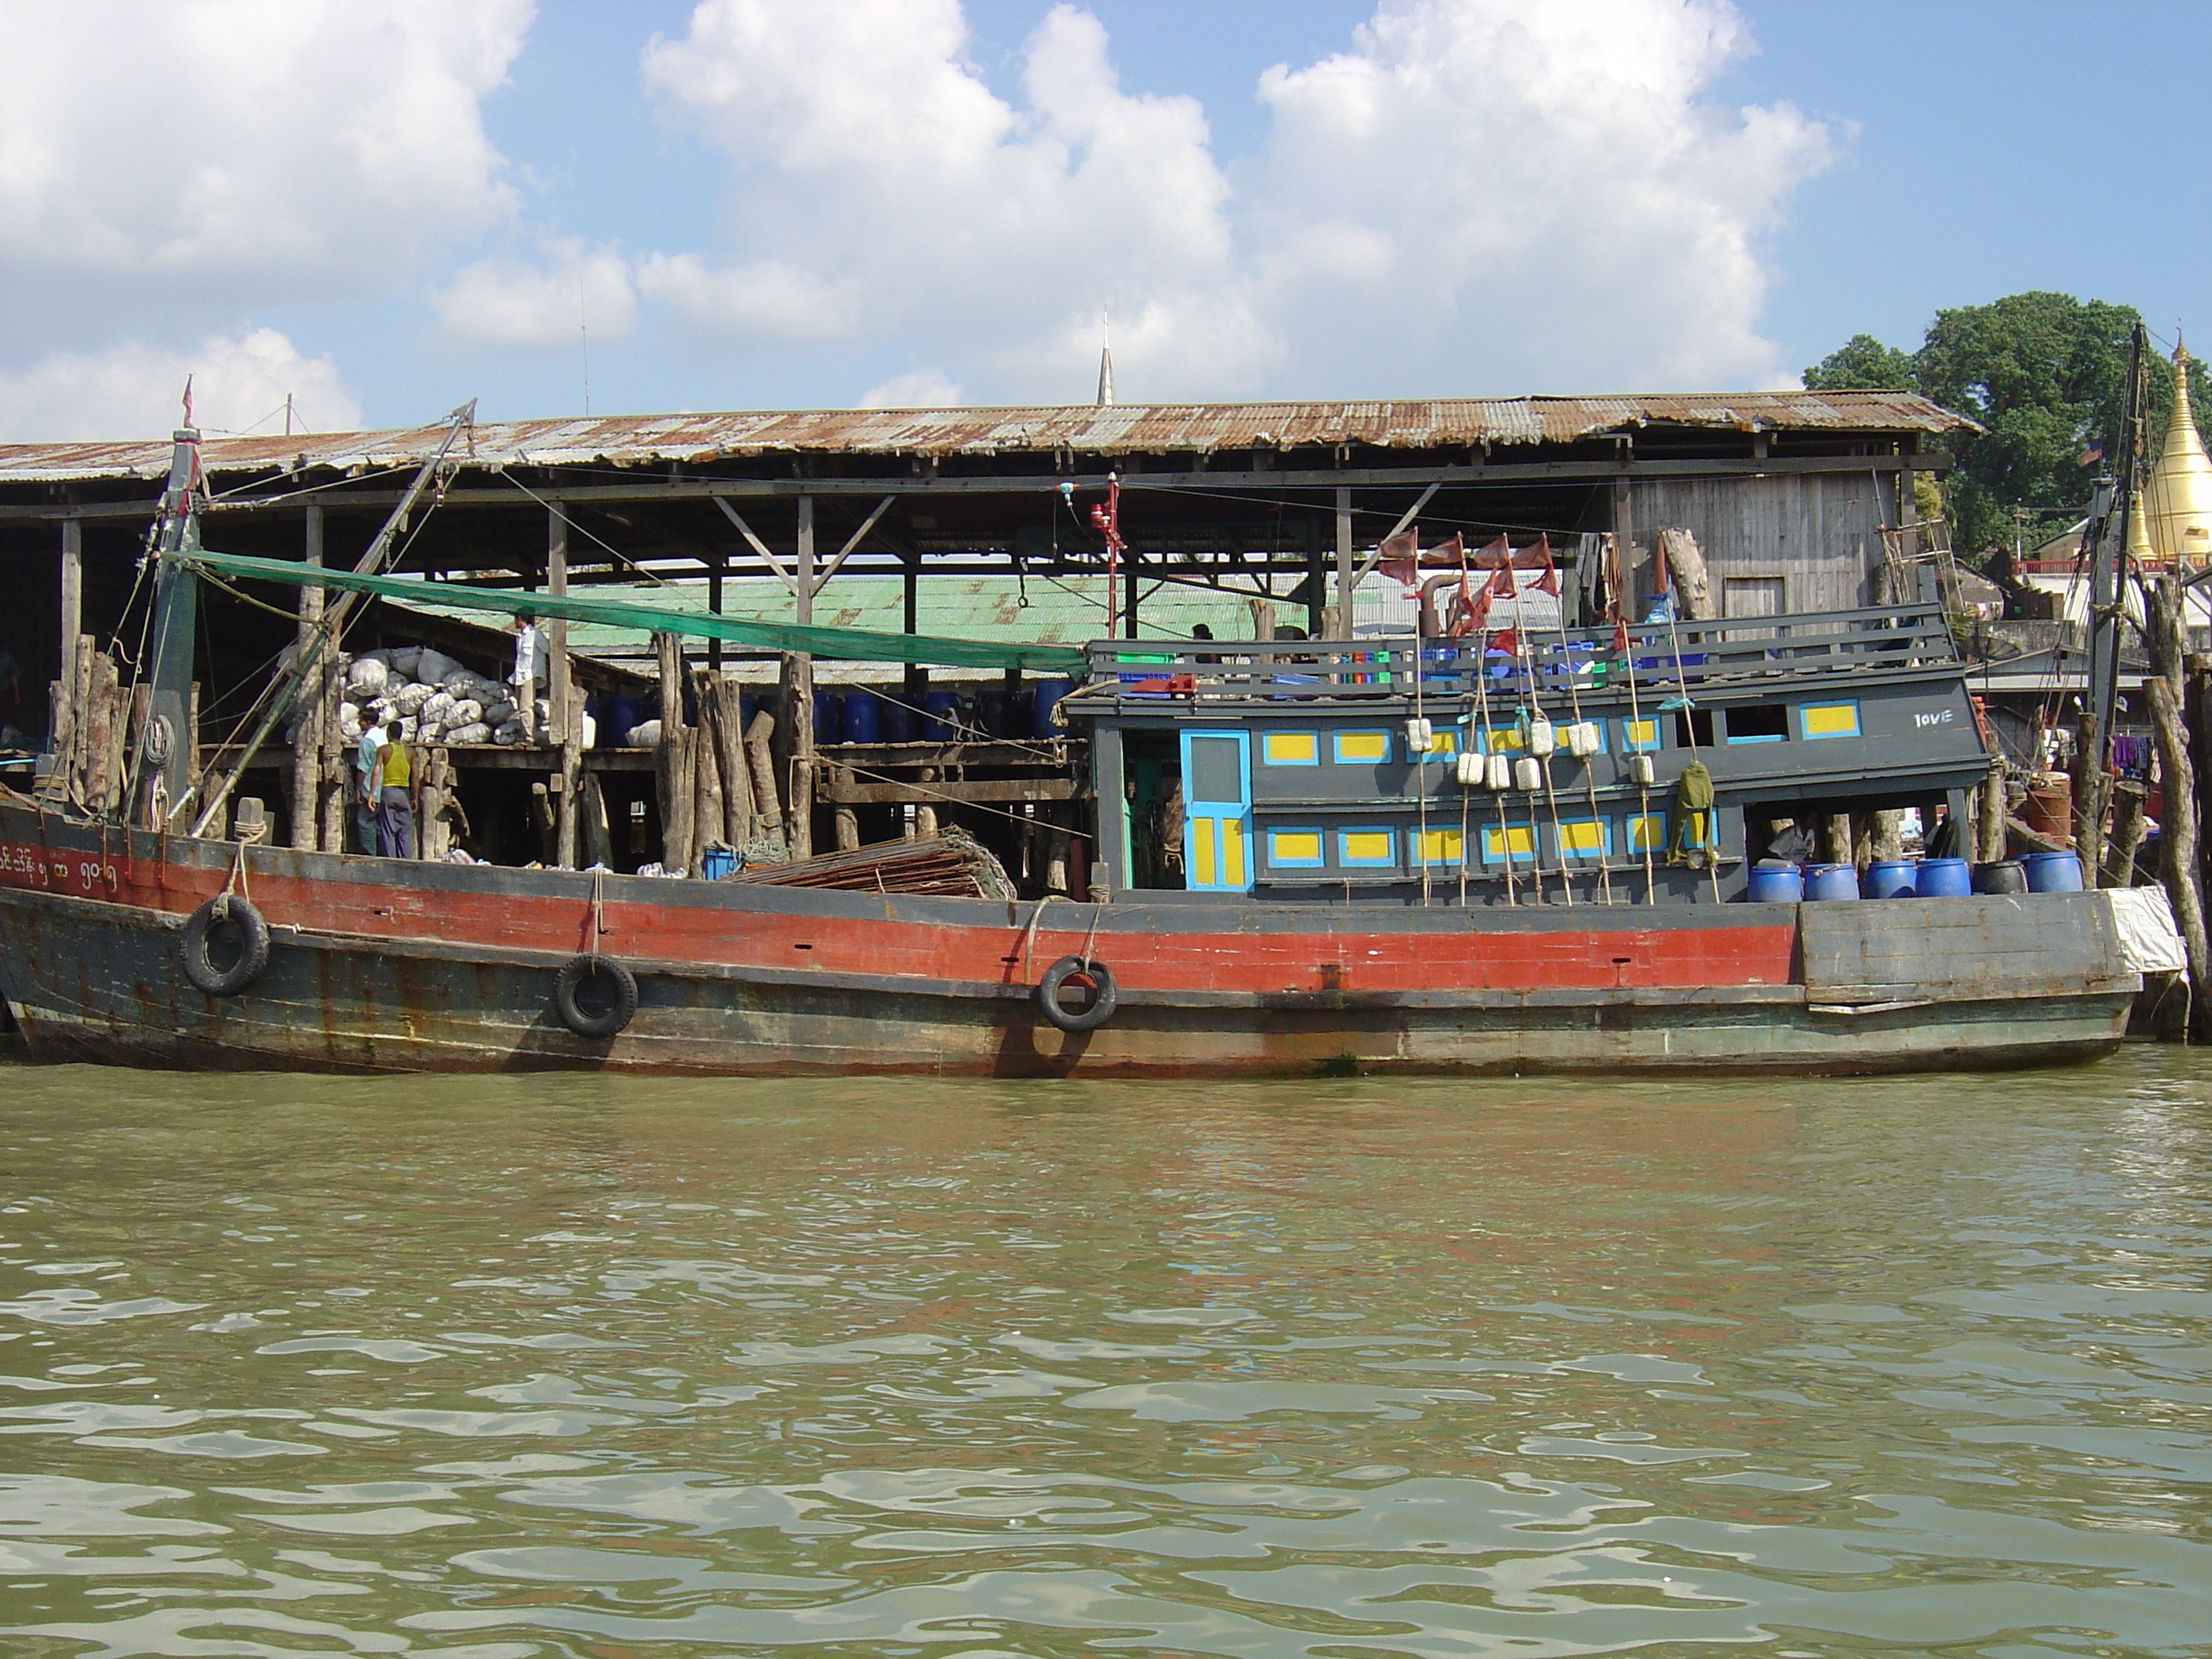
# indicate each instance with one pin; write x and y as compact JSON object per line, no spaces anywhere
{"x":1820,"y":533}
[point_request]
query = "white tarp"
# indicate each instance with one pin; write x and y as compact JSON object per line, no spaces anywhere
{"x":2143,"y":919}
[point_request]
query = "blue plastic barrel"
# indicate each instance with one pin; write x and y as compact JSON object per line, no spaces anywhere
{"x":1044,"y":698}
{"x":617,"y":713}
{"x":829,"y":717}
{"x":717,"y":862}
{"x":1775,"y":883}
{"x":940,"y":721}
{"x":1945,"y":879}
{"x":900,"y":723}
{"x":1831,"y":881}
{"x":2053,"y":872}
{"x":863,"y":717}
{"x":1889,"y":879}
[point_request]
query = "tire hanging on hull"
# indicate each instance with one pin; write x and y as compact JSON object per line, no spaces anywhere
{"x":236,"y":915}
{"x":595,"y":997}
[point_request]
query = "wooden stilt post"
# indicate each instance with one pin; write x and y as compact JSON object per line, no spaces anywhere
{"x":799,"y":680}
{"x":1990,"y":821}
{"x":598,"y":836}
{"x":706,"y":765}
{"x":561,"y":703}
{"x":72,"y":596}
{"x":739,"y":821}
{"x":2089,"y":796}
{"x":672,"y":761}
{"x":2180,"y":856}
{"x":1341,"y":627}
{"x":760,"y":761}
{"x":308,"y":712}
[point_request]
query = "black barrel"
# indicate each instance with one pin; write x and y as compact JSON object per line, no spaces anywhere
{"x":2005,"y":876}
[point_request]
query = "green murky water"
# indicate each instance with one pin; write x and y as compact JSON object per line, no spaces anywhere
{"x":634,"y":1370}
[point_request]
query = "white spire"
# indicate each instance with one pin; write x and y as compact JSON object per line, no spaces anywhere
{"x":1105,"y":361}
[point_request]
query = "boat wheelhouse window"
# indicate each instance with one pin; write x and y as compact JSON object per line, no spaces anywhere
{"x":1217,"y":769}
{"x":1760,"y":723}
{"x":1647,"y":833}
{"x":1828,"y":720}
{"x":1693,"y":728}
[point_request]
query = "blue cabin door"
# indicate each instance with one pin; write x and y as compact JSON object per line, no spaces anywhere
{"x":1217,"y":811}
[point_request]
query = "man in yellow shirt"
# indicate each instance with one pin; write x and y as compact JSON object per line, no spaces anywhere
{"x":395,"y":797}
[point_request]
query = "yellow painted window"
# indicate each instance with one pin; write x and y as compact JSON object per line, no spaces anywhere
{"x":1504,"y":739}
{"x":1440,"y":847}
{"x":1294,"y":847}
{"x":1498,"y":838}
{"x":1642,"y":734}
{"x":1356,"y":746}
{"x":1291,"y":748}
{"x":1444,"y":744}
{"x":1583,"y":835}
{"x":1232,"y":852}
{"x":1365,"y":846}
{"x":1829,"y":719}
{"x":1648,"y":833}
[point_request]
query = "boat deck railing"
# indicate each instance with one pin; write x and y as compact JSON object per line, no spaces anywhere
{"x":1655,"y":659}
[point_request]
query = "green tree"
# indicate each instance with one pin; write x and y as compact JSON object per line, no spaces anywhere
{"x":1862,"y":363}
{"x":2044,"y":375}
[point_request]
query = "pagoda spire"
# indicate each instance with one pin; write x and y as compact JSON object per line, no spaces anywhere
{"x":2178,"y":495}
{"x":1105,"y":363}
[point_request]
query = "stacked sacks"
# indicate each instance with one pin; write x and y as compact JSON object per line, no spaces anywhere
{"x":435,"y":698}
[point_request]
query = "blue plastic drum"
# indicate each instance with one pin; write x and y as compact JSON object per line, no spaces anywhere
{"x":828,"y":716}
{"x":1831,"y":881}
{"x":2053,"y":872}
{"x":863,"y":717}
{"x":1044,"y":698}
{"x":900,"y":722}
{"x":1945,"y":879}
{"x":1890,"y":878}
{"x":940,"y":717}
{"x":1775,"y":883}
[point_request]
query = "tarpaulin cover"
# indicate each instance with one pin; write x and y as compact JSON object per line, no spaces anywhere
{"x":2143,"y":919}
{"x":845,"y":644}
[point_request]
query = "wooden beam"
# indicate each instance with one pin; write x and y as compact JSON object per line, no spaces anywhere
{"x":1494,"y":475}
{"x":835,"y":789}
{"x":307,"y":716}
{"x":851,"y":542}
{"x":1368,"y":564}
{"x":560,"y":691}
{"x":783,"y":574}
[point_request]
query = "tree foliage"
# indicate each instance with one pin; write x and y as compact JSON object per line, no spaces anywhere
{"x":2044,"y":375}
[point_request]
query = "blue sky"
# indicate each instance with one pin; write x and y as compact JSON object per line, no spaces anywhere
{"x":383,"y":210}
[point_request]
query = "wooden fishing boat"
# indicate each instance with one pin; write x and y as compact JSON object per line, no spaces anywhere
{"x":1506,"y":851}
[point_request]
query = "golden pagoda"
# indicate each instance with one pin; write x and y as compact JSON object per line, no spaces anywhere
{"x":2178,"y":500}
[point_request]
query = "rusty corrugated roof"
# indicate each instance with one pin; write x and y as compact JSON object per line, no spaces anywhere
{"x":1113,"y":430}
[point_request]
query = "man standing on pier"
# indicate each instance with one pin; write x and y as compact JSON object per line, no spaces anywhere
{"x":395,"y":809}
{"x":366,"y":786}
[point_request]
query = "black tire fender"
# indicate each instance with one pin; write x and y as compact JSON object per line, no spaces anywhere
{"x":226,"y":913}
{"x":1104,"y":995}
{"x":594,"y":996}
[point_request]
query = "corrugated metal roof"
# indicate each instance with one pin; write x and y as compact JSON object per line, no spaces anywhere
{"x":1114,"y":429}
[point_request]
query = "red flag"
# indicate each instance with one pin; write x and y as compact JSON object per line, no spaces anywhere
{"x":1549,"y":581}
{"x":1400,"y":558}
{"x":1501,"y":583}
{"x":1509,"y":640}
{"x":1620,"y":637}
{"x":1470,"y":610}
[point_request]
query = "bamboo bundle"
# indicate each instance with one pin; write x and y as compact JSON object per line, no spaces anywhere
{"x":954,"y":864}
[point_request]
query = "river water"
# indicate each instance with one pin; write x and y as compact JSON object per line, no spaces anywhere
{"x":634,"y":1370}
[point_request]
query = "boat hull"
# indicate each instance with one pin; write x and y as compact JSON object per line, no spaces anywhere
{"x":388,"y":967}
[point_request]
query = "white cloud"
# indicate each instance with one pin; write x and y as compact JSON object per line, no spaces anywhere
{"x":508,"y":303}
{"x":901,"y":197}
{"x":923,"y":388}
{"x":132,"y":391}
{"x":277,"y":147}
{"x":1475,"y":196}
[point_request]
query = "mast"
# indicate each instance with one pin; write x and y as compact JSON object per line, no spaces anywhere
{"x":176,"y":622}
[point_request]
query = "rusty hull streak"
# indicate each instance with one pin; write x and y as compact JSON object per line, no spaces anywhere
{"x":1114,"y":429}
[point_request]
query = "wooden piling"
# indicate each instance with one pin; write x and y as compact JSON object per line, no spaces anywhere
{"x":796,"y":717}
{"x":740,"y":821}
{"x":2088,"y":770}
{"x":1990,"y":816}
{"x":598,"y":836}
{"x":760,"y":761}
{"x":2180,"y":856}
